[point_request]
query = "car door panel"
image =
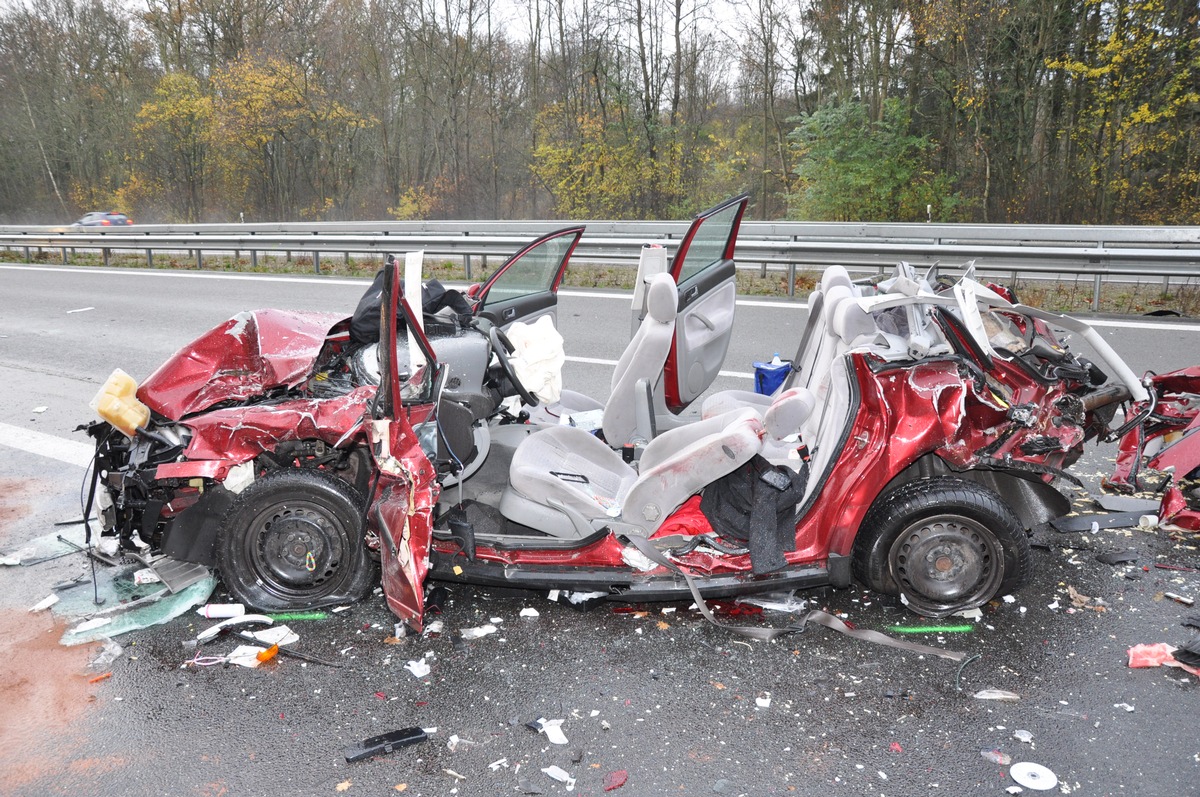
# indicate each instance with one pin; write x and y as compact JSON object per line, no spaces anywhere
{"x":525,"y":287}
{"x":706,"y":276}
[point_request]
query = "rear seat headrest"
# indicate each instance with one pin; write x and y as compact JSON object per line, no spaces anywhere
{"x":836,"y":275}
{"x":851,"y":321}
{"x":662,"y":298}
{"x":833,"y":297}
{"x":788,"y":412}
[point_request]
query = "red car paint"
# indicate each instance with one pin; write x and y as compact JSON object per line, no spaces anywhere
{"x":243,"y":358}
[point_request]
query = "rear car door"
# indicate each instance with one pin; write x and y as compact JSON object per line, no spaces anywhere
{"x":704,"y":272}
{"x":525,"y":287}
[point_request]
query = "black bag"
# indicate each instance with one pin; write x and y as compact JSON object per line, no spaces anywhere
{"x":755,"y":507}
{"x":364,"y":325}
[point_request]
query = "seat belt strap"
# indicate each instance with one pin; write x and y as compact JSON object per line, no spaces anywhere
{"x":769,"y":634}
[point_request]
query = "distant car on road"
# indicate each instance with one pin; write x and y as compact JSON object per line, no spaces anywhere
{"x":103,"y":218}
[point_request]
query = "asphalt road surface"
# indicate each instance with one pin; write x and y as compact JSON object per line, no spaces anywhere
{"x":678,"y":705}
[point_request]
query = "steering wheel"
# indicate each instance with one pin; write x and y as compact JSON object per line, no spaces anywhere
{"x":503,"y":347}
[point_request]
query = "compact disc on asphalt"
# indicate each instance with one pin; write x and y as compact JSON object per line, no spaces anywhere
{"x":1033,"y":776}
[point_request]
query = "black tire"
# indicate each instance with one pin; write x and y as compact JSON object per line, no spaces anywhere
{"x":294,"y":540}
{"x":943,"y":544}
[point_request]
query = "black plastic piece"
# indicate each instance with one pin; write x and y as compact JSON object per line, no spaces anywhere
{"x":462,"y":531}
{"x":192,"y":534}
{"x":384,"y":743}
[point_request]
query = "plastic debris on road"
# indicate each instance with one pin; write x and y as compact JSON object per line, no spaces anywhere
{"x":480,"y":631}
{"x":384,"y":743}
{"x":552,"y":729}
{"x":777,"y":602}
{"x":418,"y":667}
{"x":615,"y":780}
{"x":561,"y":775}
{"x":1023,"y":736}
{"x":996,"y":694}
{"x":246,"y":656}
{"x":45,"y":603}
{"x":996,"y":756}
{"x":221,"y":610}
{"x":1159,"y":654}
{"x":529,"y":611}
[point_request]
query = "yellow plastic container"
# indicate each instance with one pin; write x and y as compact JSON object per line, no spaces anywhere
{"x":117,"y":403}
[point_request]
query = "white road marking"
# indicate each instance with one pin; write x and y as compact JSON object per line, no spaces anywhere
{"x":777,"y":304}
{"x":71,"y":452}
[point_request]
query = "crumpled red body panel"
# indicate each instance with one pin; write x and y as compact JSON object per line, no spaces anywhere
{"x":242,"y":433}
{"x":248,"y":355}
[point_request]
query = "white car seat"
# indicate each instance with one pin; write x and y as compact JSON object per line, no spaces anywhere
{"x":567,"y":483}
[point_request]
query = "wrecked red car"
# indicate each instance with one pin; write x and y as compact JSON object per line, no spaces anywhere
{"x":1159,"y":450}
{"x":922,"y":428}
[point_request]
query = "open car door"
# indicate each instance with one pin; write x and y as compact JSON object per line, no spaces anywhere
{"x":403,"y":439}
{"x":704,"y":273}
{"x":525,"y":287}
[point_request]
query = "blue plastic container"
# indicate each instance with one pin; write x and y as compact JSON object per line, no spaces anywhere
{"x":769,"y":376}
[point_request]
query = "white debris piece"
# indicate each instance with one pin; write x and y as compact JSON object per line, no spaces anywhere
{"x":245,"y":656}
{"x":996,"y":694}
{"x":45,"y":603}
{"x":763,"y":702}
{"x":479,"y":631}
{"x":581,"y":597}
{"x":146,"y":576}
{"x":552,"y":729}
{"x":88,"y":625}
{"x":275,"y":635}
{"x":418,"y":667}
{"x":529,"y":611}
{"x":561,"y":775}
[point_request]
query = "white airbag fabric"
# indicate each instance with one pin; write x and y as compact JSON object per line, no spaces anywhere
{"x":538,"y":357}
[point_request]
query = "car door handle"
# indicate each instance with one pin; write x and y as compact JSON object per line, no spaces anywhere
{"x":704,"y":320}
{"x":692,"y":293}
{"x":510,"y":312}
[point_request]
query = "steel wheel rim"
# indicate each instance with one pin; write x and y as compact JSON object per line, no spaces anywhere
{"x":296,"y":548}
{"x":946,"y":563}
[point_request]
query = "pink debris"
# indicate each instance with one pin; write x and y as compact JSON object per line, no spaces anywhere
{"x":615,"y":780}
{"x":1157,"y":655}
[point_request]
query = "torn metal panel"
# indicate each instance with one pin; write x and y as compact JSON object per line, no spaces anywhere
{"x":242,"y":358}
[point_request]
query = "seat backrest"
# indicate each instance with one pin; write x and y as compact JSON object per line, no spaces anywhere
{"x":824,"y":429}
{"x":680,"y":462}
{"x":825,"y":343}
{"x":643,"y":359}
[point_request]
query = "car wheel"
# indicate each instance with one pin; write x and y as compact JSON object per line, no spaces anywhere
{"x":943,"y":545}
{"x":294,"y":540}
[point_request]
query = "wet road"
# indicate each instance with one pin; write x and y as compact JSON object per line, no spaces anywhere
{"x":680,"y":706}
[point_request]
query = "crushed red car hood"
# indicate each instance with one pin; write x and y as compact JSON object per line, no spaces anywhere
{"x":244,"y":357}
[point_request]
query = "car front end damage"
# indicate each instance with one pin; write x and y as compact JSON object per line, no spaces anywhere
{"x":260,"y":394}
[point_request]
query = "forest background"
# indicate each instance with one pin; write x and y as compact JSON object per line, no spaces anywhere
{"x":1052,"y":111}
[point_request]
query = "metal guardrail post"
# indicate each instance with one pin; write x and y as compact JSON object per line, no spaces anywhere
{"x":199,"y":260}
{"x":149,"y":258}
{"x":104,"y":252}
{"x":27,"y":258}
{"x":316,"y":256}
{"x":467,"y":266}
{"x":1096,"y":295}
{"x":254,"y":259}
{"x":791,"y":280}
{"x":65,"y":259}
